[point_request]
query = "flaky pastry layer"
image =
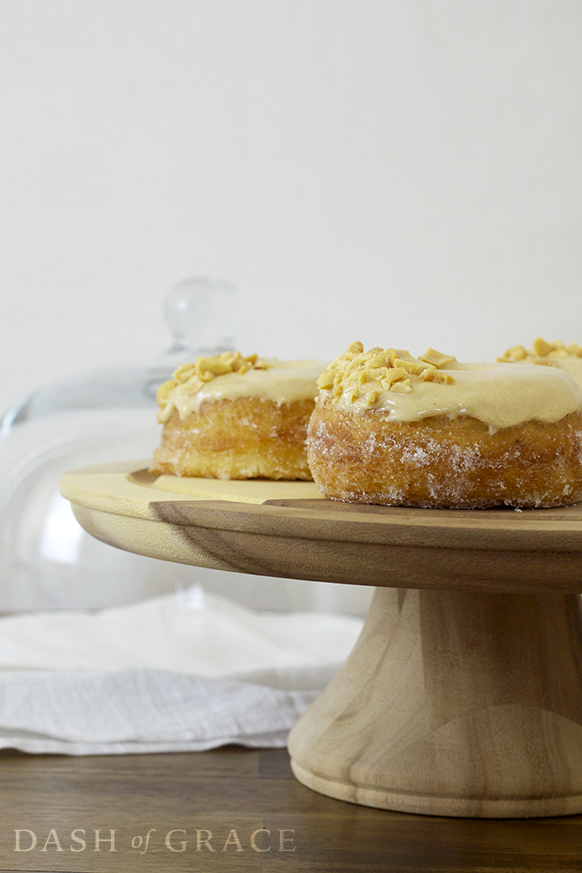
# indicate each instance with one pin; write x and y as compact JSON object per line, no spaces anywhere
{"x":440,"y":462}
{"x":244,"y":438}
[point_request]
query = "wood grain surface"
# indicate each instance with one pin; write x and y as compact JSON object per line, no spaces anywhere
{"x":454,"y":703}
{"x":243,"y":790}
{"x":282,"y":529}
{"x":463,"y":694}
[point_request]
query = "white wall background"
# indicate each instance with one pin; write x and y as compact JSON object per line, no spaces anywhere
{"x":403,"y":172}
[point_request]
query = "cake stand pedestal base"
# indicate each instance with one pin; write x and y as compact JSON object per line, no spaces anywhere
{"x":456,"y":703}
{"x":463,"y":695}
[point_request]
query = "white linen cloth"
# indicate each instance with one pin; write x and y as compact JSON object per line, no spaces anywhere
{"x":182,"y":672}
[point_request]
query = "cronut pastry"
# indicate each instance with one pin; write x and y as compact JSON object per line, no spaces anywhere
{"x":234,"y":417}
{"x":432,"y":432}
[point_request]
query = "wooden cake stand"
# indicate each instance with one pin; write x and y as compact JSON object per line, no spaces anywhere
{"x":463,"y":694}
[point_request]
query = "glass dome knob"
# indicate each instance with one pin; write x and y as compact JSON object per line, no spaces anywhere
{"x":204,"y":315}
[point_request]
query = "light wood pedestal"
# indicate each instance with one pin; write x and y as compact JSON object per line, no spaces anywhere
{"x":463,"y":695}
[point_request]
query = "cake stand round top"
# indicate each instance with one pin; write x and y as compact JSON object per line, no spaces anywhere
{"x":286,"y":529}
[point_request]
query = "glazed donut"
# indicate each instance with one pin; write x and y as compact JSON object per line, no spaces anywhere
{"x":234,"y":417}
{"x":432,"y":432}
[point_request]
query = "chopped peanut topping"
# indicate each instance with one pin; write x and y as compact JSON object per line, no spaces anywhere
{"x":437,"y":359}
{"x":541,"y":347}
{"x":358,"y":374}
{"x":434,"y":375}
{"x":514,"y":354}
{"x":196,"y":374}
{"x":541,"y":352}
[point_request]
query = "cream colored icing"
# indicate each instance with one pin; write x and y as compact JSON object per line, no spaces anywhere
{"x":573,"y":366}
{"x":281,"y":382}
{"x":498,"y":394}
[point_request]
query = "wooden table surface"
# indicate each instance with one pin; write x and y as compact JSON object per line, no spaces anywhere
{"x":58,"y":813}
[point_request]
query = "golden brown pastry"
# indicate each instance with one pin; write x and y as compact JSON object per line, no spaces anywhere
{"x":235,"y":417}
{"x":432,"y":432}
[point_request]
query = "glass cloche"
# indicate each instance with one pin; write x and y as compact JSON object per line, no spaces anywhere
{"x":47,"y":561}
